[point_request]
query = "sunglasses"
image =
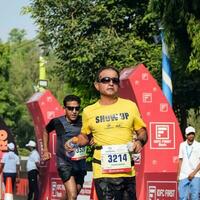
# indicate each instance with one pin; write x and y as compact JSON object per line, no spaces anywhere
{"x":71,"y":108}
{"x":106,"y":80}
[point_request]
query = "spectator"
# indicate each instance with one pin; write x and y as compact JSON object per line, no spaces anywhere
{"x":10,"y":165}
{"x":33,"y":164}
{"x":189,"y":165}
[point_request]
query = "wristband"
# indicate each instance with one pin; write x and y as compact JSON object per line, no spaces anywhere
{"x":140,"y":140}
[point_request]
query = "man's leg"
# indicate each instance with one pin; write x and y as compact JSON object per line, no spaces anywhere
{"x":183,"y":189}
{"x":195,"y":188}
{"x":65,"y":173}
{"x":129,"y":188}
{"x":79,"y":179}
{"x":109,"y":188}
{"x":30,"y":186}
{"x":36,"y":188}
{"x":71,"y":189}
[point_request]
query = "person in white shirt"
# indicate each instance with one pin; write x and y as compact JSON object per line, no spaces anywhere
{"x":189,"y":166}
{"x":10,"y":165}
{"x":32,"y":167}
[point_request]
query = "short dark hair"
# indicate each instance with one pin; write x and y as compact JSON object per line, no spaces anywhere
{"x":71,"y":97}
{"x":105,"y":68}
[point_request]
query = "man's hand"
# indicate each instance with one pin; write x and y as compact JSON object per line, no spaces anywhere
{"x":46,"y":155}
{"x":68,"y":147}
{"x":137,"y":146}
{"x":177,"y":178}
{"x":17,"y":180}
{"x":191,"y":176}
{"x":92,"y":143}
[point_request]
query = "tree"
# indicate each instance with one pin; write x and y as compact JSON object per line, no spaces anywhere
{"x":89,"y":34}
{"x":180,"y":20}
{"x":24,"y":75}
{"x":9,"y":110}
{"x":16,"y":35}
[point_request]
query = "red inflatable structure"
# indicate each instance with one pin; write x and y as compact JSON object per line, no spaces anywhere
{"x":43,"y":106}
{"x":156,"y":170}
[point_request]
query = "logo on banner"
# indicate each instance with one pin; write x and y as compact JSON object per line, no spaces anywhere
{"x":3,"y":140}
{"x":162,"y":135}
{"x":145,"y":76}
{"x":51,"y":114}
{"x":162,"y":190}
{"x":163,"y":107}
{"x":147,"y":97}
{"x":57,"y":188}
{"x":49,"y":99}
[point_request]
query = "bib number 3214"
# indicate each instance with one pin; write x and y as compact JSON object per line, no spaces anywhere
{"x":115,"y":159}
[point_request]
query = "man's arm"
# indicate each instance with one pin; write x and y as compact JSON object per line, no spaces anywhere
{"x":1,"y":167}
{"x":83,"y":139}
{"x":179,"y":168}
{"x":37,"y":164}
{"x":191,"y":175}
{"x":141,"y":140}
{"x":46,"y":155}
{"x":18,"y":171}
{"x":142,"y":136}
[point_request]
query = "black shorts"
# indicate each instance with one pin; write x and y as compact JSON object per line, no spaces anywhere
{"x":123,"y":188}
{"x":67,"y":168}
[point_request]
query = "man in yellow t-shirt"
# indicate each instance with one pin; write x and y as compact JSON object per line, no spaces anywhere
{"x":112,"y":121}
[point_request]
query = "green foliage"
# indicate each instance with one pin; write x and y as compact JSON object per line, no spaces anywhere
{"x":89,"y":34}
{"x":9,"y":110}
{"x":23,"y":73}
{"x":194,"y":34}
{"x":19,"y":73}
{"x":180,"y":20}
{"x":23,"y":152}
{"x":16,"y":35}
{"x":193,"y":120}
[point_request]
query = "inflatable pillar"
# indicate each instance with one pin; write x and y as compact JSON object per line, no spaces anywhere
{"x":43,"y":106}
{"x":156,"y":170}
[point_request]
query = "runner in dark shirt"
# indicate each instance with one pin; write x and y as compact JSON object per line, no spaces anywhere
{"x":70,"y":169}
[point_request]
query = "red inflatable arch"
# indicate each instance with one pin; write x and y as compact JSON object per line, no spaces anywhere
{"x":156,"y":170}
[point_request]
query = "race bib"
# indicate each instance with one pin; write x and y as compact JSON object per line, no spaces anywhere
{"x":115,"y":159}
{"x":80,"y":153}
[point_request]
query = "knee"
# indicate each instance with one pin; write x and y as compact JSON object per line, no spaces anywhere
{"x":72,"y":196}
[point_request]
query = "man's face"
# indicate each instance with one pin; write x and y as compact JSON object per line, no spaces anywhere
{"x":72,"y":110}
{"x":108,"y":83}
{"x":190,"y":137}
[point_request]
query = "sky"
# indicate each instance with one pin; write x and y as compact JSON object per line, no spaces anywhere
{"x":10,"y":18}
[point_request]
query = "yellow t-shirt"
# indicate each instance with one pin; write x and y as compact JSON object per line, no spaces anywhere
{"x":110,"y":125}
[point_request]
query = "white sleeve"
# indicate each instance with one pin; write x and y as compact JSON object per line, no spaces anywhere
{"x":181,"y":153}
{"x":37,"y":157}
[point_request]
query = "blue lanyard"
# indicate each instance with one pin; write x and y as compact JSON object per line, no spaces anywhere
{"x":187,"y":151}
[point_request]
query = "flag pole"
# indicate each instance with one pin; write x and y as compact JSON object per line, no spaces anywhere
{"x":166,"y":71}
